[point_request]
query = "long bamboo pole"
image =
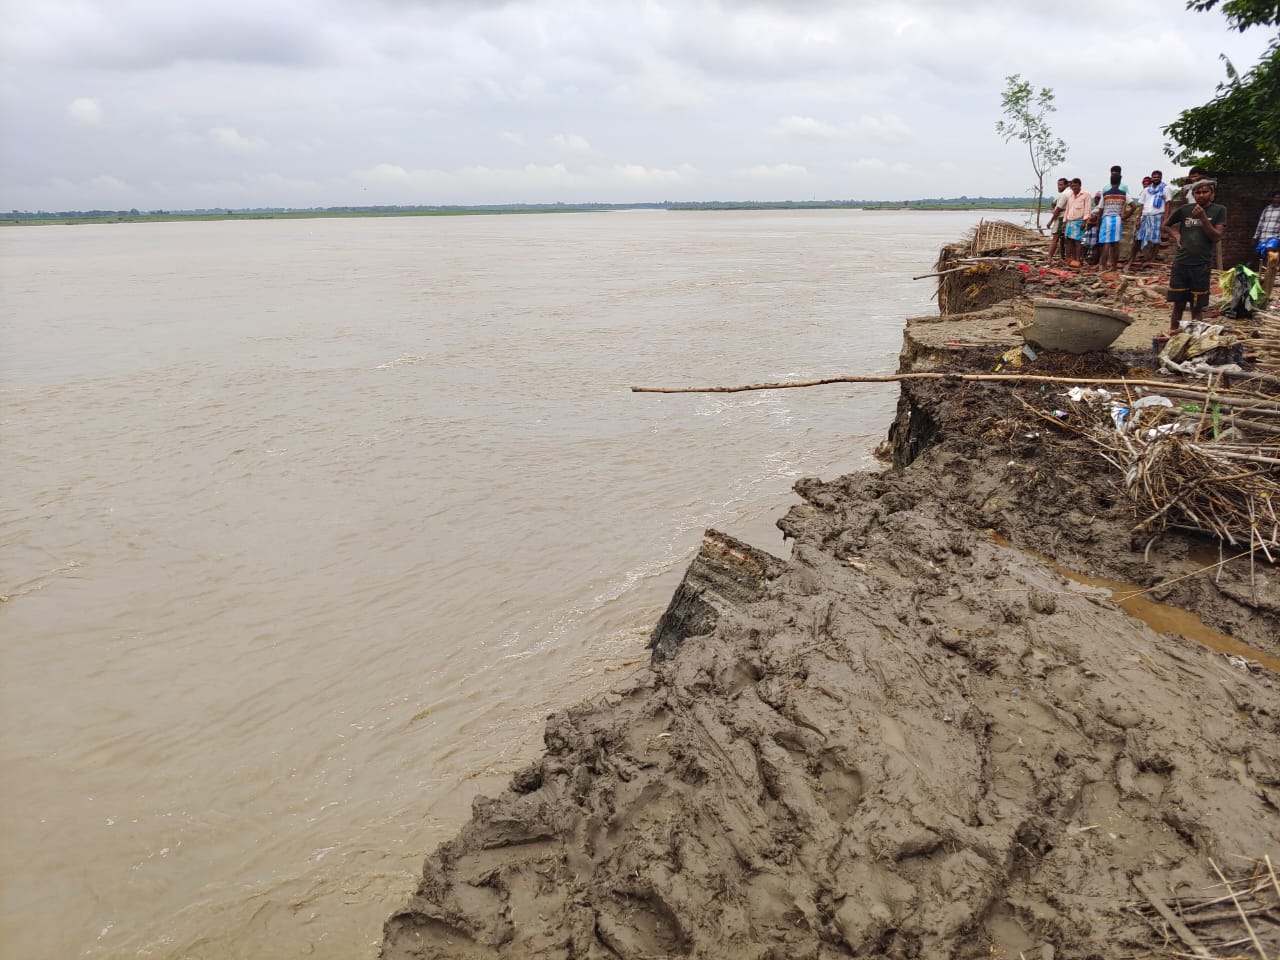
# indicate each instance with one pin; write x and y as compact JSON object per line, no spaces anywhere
{"x":965,"y":377}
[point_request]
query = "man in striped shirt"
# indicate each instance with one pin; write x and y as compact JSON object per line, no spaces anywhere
{"x":1113,"y":210}
{"x":1269,"y":222}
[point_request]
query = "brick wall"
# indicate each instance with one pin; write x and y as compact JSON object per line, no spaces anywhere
{"x":1244,"y":195}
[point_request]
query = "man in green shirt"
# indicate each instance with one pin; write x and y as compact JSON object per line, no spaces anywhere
{"x":1198,"y":226}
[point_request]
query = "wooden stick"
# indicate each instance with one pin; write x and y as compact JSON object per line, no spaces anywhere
{"x":967,"y":262}
{"x":940,"y":273}
{"x":894,"y":378}
{"x":1171,"y":918}
{"x":1233,"y":396}
{"x":1220,"y":563}
{"x":1229,"y":455}
{"x":1204,"y":409}
{"x":1243,"y":916}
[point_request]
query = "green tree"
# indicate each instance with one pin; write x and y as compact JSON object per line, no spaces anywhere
{"x":1025,"y":113}
{"x":1242,"y":14}
{"x":1239,"y":129}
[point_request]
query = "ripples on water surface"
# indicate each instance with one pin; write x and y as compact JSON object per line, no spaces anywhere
{"x":308,"y":524}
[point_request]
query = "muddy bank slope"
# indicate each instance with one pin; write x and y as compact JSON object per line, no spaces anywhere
{"x":913,"y":739}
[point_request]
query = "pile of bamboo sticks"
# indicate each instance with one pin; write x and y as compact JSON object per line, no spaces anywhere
{"x":1267,"y":323}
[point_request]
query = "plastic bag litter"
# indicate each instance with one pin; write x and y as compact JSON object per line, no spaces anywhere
{"x":1243,"y":290}
{"x":1076,"y":394}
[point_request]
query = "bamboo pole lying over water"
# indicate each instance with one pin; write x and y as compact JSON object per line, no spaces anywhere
{"x":966,"y":377}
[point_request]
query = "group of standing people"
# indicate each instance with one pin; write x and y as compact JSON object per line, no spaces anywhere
{"x":1082,"y":221}
{"x":1089,"y":226}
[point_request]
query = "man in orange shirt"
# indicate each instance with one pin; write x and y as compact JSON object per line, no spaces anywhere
{"x":1076,"y":213}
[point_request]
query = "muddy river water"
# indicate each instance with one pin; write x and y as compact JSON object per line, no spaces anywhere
{"x":307,"y":525}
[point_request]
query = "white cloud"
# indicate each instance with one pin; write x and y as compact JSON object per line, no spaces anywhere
{"x":384,"y":174}
{"x":536,"y":183}
{"x":274,"y":182}
{"x":233,"y":141}
{"x":102,"y":191}
{"x":775,"y":172}
{"x":466,"y":100}
{"x":457,"y":182}
{"x":636,"y":173}
{"x":888,"y":127}
{"x":513,"y":90}
{"x":794,"y":126}
{"x":876,"y":165}
{"x":85,"y":111}
{"x":104,"y":181}
{"x":571,"y":143}
{"x":663,"y":91}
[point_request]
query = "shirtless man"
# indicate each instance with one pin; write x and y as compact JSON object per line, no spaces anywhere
{"x":1059,"y":205}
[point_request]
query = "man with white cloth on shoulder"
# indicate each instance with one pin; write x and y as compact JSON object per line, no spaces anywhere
{"x":1155,"y":202}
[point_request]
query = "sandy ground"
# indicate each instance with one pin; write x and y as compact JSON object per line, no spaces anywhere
{"x":923,"y":736}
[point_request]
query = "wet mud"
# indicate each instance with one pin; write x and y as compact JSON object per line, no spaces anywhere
{"x":922,"y":736}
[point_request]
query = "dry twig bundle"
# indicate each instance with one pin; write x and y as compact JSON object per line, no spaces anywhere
{"x":1242,"y":923}
{"x":1212,"y":466}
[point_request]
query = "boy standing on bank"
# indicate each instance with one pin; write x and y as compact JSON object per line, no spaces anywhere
{"x":1199,"y":226}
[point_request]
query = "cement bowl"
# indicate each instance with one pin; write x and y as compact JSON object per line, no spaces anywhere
{"x":1073,"y":327}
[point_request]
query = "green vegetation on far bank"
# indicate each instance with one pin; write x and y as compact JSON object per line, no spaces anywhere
{"x":20,"y":217}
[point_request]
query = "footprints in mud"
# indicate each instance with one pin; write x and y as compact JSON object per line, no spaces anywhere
{"x":842,"y":791}
{"x":640,"y":925}
{"x":414,"y":934}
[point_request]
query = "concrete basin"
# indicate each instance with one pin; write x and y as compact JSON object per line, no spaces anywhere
{"x":1073,"y":327}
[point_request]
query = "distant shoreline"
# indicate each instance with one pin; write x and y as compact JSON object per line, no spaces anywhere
{"x":65,"y":218}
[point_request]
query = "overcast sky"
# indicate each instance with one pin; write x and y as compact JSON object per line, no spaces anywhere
{"x":195,"y":103}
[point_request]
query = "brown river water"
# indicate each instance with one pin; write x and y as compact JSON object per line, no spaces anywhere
{"x":307,"y":525}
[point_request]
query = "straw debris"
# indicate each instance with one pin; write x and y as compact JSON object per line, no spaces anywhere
{"x":1238,"y":919}
{"x":1211,"y":464}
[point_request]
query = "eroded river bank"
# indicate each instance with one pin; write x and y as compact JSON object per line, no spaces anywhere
{"x":926,"y":734}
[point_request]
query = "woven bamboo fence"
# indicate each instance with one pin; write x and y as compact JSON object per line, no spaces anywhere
{"x":982,"y":269}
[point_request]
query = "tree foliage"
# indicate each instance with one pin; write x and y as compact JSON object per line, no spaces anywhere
{"x":1239,"y":129}
{"x":1026,"y":112}
{"x":1243,"y":14}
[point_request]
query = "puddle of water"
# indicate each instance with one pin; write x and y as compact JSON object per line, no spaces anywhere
{"x":1161,"y":617}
